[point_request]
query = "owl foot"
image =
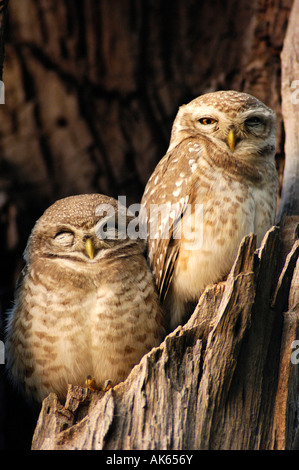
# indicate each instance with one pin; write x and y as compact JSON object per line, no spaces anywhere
{"x":91,"y":383}
{"x":108,"y":384}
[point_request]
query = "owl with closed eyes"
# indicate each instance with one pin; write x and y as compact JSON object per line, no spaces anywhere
{"x":217,"y":183}
{"x":86,"y":304}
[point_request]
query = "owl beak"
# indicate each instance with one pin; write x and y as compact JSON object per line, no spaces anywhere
{"x":90,"y":248}
{"x":231,"y":140}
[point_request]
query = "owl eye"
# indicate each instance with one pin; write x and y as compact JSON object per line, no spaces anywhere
{"x":253,"y":121}
{"x":206,"y":121}
{"x":64,"y":238}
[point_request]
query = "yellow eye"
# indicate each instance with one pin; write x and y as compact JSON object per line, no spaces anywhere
{"x":207,"y":121}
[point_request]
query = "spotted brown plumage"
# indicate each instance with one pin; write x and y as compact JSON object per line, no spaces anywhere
{"x":216,"y":183}
{"x":86,"y":305}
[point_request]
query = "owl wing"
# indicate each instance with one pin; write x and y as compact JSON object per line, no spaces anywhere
{"x":165,"y":200}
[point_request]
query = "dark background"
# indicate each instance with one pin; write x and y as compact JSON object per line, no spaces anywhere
{"x":92,"y":88}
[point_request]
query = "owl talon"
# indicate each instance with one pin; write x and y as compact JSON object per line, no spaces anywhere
{"x":91,"y":383}
{"x":108,"y":384}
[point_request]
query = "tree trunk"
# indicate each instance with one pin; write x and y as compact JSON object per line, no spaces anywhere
{"x":285,"y":428}
{"x":3,"y":24}
{"x":290,"y":110}
{"x":91,"y":92}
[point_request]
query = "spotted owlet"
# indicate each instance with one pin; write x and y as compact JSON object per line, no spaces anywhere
{"x":216,"y":184}
{"x":86,"y":304}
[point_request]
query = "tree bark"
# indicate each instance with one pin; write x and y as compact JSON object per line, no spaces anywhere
{"x":3,"y":24}
{"x":285,"y":429}
{"x":290,"y":111}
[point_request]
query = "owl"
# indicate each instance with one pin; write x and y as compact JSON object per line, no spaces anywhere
{"x":86,"y":304}
{"x":216,"y":184}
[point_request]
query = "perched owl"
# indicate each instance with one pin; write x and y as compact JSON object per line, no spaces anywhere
{"x":216,"y":184}
{"x":86,"y":304}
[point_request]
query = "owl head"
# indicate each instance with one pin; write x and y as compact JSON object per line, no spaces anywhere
{"x":235,"y":122}
{"x":83,"y":228}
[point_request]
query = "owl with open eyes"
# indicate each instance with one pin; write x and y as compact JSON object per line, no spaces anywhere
{"x":217,"y":183}
{"x":86,"y":304}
